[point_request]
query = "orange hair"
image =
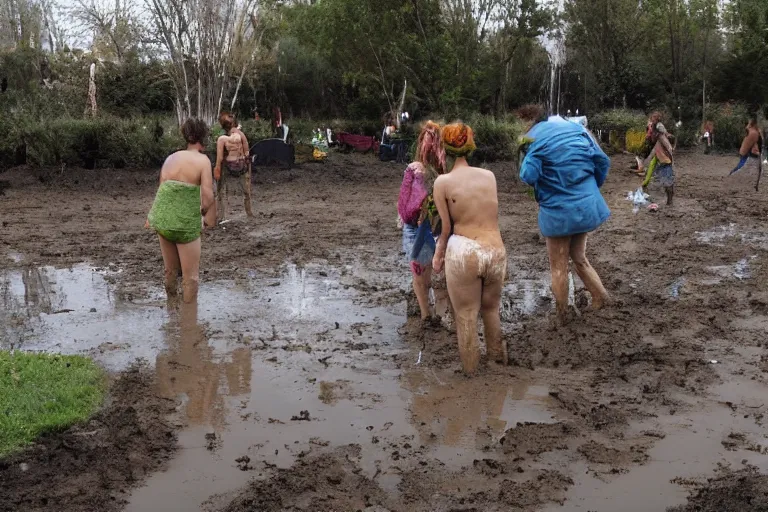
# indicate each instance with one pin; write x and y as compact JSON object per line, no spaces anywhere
{"x":458,"y":140}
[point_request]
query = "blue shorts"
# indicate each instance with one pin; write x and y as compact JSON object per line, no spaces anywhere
{"x":665,"y":175}
{"x":409,"y":238}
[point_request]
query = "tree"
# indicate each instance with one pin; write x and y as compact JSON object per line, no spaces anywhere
{"x":112,"y":26}
{"x":203,"y":39}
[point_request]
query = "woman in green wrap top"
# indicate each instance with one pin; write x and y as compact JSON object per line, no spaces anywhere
{"x":183,"y":205}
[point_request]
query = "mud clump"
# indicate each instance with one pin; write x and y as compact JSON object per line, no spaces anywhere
{"x":330,"y":481}
{"x":597,"y":453}
{"x":91,"y":467}
{"x":537,"y":438}
{"x":548,"y":486}
{"x":742,"y":491}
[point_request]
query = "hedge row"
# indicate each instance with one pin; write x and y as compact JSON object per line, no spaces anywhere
{"x":729,"y":119}
{"x":90,"y":143}
{"x":145,"y":142}
{"x":106,"y":142}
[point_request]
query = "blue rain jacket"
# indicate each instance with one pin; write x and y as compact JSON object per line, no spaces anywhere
{"x":566,"y":168}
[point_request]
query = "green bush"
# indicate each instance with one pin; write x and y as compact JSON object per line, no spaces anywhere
{"x":101,"y":142}
{"x":619,"y":120}
{"x":496,"y":139}
{"x":730,"y":120}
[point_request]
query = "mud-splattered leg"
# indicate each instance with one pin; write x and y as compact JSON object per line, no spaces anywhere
{"x":247,"y":194}
{"x":490,"y":310}
{"x":189,"y":255}
{"x":172,"y":267}
{"x":586,"y":272}
{"x":465,"y":289}
{"x":559,"y":250}
{"x":421,"y":284}
{"x":221,"y":198}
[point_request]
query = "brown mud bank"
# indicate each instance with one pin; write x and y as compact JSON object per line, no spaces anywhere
{"x":93,"y":467}
{"x":301,"y":386}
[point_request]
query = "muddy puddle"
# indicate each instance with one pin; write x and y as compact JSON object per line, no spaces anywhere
{"x":691,"y":450}
{"x":270,"y":368}
{"x":722,"y":235}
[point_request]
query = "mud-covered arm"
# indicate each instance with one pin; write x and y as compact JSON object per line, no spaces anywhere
{"x":246,"y":146}
{"x":749,"y":142}
{"x":219,"y":158}
{"x":441,"y":202}
{"x":206,"y":189}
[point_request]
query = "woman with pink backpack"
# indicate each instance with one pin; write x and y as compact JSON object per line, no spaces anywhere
{"x":418,"y":215}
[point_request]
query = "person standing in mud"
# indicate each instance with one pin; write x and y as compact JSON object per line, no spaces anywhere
{"x":708,"y":135}
{"x":751,"y":148}
{"x":664,"y":170}
{"x":183,"y":205}
{"x":232,"y":151}
{"x":470,"y":247}
{"x":566,"y":168}
{"x":415,"y":205}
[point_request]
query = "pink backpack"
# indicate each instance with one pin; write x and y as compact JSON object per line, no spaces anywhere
{"x":412,"y":194}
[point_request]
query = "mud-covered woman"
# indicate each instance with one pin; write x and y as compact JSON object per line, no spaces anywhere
{"x":470,"y":247}
{"x":416,"y":206}
{"x":232,"y":163}
{"x":183,"y":205}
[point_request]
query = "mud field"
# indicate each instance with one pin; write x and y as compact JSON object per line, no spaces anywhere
{"x":294,"y":385}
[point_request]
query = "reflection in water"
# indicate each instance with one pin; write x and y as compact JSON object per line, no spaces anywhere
{"x":459,"y":409}
{"x":16,"y":314}
{"x":189,"y":370}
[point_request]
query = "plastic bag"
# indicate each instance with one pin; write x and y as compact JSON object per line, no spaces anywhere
{"x":424,"y":246}
{"x":638,"y":198}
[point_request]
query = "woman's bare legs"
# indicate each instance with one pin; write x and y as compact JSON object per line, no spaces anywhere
{"x":490,"y":307}
{"x":586,"y":272}
{"x":189,"y":255}
{"x":172,"y":267}
{"x":247,"y":193}
{"x":221,"y":197}
{"x":421,"y":285}
{"x":465,"y":290}
{"x":443,"y":306}
{"x":559,"y":249}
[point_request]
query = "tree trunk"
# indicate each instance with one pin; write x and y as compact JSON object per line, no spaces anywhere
{"x":91,"y":108}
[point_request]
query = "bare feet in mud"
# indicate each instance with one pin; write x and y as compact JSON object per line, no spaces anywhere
{"x":563,"y":318}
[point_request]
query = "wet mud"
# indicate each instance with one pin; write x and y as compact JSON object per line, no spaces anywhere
{"x":298,"y":382}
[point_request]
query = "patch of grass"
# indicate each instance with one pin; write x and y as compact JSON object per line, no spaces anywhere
{"x":41,"y":393}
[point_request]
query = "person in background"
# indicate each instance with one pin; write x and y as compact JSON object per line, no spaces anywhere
{"x":664,"y":170}
{"x":415,"y":205}
{"x":708,"y":135}
{"x":470,"y":248}
{"x":184,"y":204}
{"x":566,"y":168}
{"x":232,"y":152}
{"x":751,"y":148}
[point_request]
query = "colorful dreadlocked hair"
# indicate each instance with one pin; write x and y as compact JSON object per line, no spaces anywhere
{"x":458,"y":140}
{"x":429,"y":150}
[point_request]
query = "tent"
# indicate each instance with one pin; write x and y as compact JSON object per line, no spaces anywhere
{"x":271,"y":152}
{"x":361,"y":143}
